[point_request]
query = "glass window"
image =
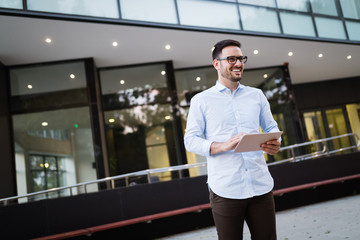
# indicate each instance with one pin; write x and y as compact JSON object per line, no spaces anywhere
{"x":350,"y":8}
{"x":353,"y":30}
{"x":123,"y":87}
{"x":208,"y":14}
{"x":330,"y":28}
{"x":337,"y":126}
{"x":327,"y":7}
{"x":139,"y":120}
{"x":152,"y":11}
{"x":104,"y":8}
{"x":265,"y":3}
{"x":46,"y":160}
{"x":47,"y":78}
{"x":17,"y":4}
{"x":190,"y":82}
{"x":259,"y":19}
{"x":353,"y":111}
{"x":47,"y":86}
{"x":297,"y":24}
{"x":296,"y":5}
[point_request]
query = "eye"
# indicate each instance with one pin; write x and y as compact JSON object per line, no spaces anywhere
{"x":232,"y":59}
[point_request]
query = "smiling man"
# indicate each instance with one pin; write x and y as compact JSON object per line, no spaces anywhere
{"x":240,"y":183}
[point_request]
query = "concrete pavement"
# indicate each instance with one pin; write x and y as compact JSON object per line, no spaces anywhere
{"x":331,"y":220}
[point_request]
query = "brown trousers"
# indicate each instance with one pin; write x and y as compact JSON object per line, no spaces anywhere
{"x":230,"y":214}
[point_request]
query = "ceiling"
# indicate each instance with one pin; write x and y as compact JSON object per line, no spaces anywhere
{"x":22,"y":41}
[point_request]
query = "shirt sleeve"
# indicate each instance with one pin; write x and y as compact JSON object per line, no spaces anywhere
{"x":267,"y":122}
{"x":195,"y":129}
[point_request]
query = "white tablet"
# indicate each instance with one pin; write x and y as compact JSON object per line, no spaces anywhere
{"x":252,"y":142}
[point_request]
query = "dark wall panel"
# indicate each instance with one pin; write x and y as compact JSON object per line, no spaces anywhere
{"x":327,"y":93}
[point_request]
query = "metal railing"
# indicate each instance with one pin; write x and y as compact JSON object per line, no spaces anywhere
{"x":111,"y":180}
{"x":325,"y":150}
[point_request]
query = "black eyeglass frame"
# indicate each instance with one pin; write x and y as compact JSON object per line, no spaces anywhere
{"x":242,"y":59}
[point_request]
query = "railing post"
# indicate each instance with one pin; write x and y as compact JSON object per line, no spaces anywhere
{"x":126,"y":181}
{"x":180,"y":173}
{"x":112,"y":184}
{"x":148,"y":176}
{"x":292,"y":153}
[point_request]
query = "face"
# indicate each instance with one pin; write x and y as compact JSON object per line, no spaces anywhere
{"x":229,"y":72}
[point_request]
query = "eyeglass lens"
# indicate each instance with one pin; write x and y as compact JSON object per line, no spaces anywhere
{"x":233,"y":60}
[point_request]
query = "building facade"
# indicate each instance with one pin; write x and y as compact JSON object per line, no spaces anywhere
{"x":76,"y":111}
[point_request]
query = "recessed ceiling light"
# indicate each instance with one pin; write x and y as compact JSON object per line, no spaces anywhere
{"x":265,"y":75}
{"x":29,"y":86}
{"x":72,"y":76}
{"x":198,"y":79}
{"x":167,"y":117}
{"x":48,"y":40}
{"x":290,"y":54}
{"x":167,"y":47}
{"x":163,"y":72}
{"x":111,"y":120}
{"x":115,"y":44}
{"x":122,"y":81}
{"x":320,"y":55}
{"x":348,"y":57}
{"x":256,"y":51}
{"x":44,"y":124}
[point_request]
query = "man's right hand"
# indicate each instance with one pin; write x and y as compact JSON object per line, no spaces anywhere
{"x":218,"y":147}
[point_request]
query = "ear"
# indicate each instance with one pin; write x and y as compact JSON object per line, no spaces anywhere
{"x":215,"y":63}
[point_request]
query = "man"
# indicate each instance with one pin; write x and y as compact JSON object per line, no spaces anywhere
{"x":240,"y":183}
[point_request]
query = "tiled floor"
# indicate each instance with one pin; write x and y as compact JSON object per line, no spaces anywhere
{"x":332,"y":220}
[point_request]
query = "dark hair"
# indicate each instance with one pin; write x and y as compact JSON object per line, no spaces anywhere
{"x":222,"y":44}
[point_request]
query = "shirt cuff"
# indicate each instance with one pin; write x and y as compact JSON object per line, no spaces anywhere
{"x":206,"y":147}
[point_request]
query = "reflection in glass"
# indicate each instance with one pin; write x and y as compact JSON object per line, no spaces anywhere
{"x":265,"y":3}
{"x":295,"y":5}
{"x":47,"y":78}
{"x":17,"y":4}
{"x":327,"y":7}
{"x":140,"y":121}
{"x":353,"y":30}
{"x":297,"y":24}
{"x":191,"y":82}
{"x":138,"y":138}
{"x":152,"y":11}
{"x":208,"y":14}
{"x":337,"y":126}
{"x":314,"y":125}
{"x":132,"y":86}
{"x":259,"y":19}
{"x":336,"y":31}
{"x":52,"y":85}
{"x":53,"y":160}
{"x":104,"y":8}
{"x":353,"y":111}
{"x":350,"y":8}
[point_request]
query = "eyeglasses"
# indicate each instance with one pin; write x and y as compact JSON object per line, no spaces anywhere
{"x":233,"y":59}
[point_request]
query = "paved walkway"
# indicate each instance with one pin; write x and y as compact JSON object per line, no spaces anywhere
{"x":331,"y":220}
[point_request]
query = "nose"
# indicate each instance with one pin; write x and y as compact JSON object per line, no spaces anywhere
{"x":238,"y":60}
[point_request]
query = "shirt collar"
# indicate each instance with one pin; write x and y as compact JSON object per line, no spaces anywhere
{"x":220,"y":87}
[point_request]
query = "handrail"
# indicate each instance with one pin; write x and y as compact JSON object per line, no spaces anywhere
{"x":179,"y":168}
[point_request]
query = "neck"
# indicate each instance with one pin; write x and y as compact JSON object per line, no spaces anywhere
{"x":229,"y":84}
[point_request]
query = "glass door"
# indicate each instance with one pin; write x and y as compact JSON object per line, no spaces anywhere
{"x":326,"y":123}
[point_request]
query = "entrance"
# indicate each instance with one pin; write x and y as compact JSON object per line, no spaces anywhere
{"x":326,"y":123}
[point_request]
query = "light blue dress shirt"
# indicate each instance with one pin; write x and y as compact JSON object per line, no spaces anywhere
{"x":215,"y":115}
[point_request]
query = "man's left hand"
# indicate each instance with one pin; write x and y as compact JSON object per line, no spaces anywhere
{"x":271,"y":147}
